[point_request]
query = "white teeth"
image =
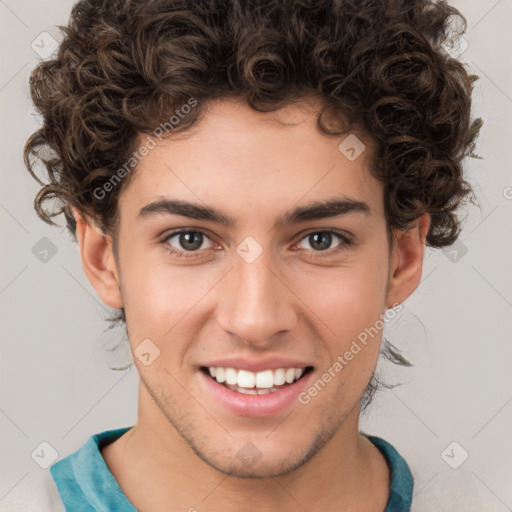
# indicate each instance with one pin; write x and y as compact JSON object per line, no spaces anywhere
{"x":264,"y":379}
{"x":220,"y":374}
{"x":253,"y":391}
{"x":252,"y":383}
{"x":279,"y":379}
{"x":231,"y":376}
{"x":298,"y":373}
{"x":247,"y":391}
{"x":245,"y":379}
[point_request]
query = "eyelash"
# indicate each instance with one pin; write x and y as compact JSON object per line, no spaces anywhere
{"x":346,"y":242}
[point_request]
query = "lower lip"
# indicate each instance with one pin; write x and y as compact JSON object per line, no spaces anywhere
{"x":255,"y":405}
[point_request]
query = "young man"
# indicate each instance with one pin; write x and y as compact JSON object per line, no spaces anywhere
{"x":252,"y":185}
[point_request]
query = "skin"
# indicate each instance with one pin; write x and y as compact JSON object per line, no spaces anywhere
{"x":182,"y":453}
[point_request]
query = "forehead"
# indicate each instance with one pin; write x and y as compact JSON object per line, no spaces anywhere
{"x":237,"y":160}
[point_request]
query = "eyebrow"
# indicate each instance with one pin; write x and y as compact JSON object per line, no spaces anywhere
{"x":313,"y":211}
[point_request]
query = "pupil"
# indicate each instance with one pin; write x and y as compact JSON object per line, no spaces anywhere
{"x":325,"y":240}
{"x":187,"y":240}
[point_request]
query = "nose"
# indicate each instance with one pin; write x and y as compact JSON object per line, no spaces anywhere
{"x":255,"y":302}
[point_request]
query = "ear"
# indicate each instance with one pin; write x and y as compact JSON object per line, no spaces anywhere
{"x":406,"y":261}
{"x":98,"y":261}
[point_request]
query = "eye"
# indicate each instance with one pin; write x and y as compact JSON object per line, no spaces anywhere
{"x":321,"y":241}
{"x":189,"y":243}
{"x":182,"y":242}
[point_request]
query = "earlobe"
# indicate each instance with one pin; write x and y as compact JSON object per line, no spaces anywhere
{"x":406,"y":261}
{"x":98,"y":261}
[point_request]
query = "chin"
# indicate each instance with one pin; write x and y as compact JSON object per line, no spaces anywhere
{"x":255,"y":470}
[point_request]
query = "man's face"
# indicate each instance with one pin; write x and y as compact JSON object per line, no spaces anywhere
{"x":257,"y":294}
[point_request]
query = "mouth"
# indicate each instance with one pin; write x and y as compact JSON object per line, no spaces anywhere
{"x":255,"y":383}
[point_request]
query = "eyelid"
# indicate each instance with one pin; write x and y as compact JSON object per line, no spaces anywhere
{"x":338,"y":232}
{"x":165,"y":238}
{"x":347,"y":239}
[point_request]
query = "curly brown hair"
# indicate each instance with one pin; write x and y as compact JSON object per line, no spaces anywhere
{"x":125,"y":66}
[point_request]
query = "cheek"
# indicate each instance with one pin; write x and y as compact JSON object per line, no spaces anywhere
{"x":159,"y":296}
{"x":347,"y":298}
{"x":348,"y":304}
{"x":351,"y":307}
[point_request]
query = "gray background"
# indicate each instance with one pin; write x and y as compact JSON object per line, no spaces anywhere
{"x":56,"y":385}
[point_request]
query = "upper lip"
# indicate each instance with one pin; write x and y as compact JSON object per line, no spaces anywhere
{"x":256,"y":365}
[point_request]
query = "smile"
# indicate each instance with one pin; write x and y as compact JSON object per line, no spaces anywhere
{"x":255,"y":383}
{"x":254,"y":394}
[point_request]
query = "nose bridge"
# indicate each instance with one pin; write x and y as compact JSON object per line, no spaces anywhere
{"x":256,"y":304}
